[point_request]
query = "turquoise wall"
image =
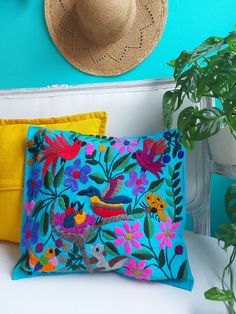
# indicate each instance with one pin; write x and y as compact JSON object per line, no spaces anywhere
{"x":28,"y":57}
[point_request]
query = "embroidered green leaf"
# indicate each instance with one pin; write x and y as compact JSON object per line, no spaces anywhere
{"x":130,"y":168}
{"x":178,"y":210}
{"x":92,"y":237}
{"x":170,"y":213}
{"x":148,"y":227}
{"x":162,"y":259}
{"x":138,"y":212}
{"x":170,"y":202}
{"x":181,"y":271}
{"x":216,"y":294}
{"x":62,"y":203}
{"x":81,"y":267}
{"x":178,"y":200}
{"x":177,"y":191}
{"x":143,"y":254}
{"x":97,"y":178}
{"x":121,"y":163}
{"x":38,"y":206}
{"x":129,"y":210}
{"x":71,"y":255}
{"x":92,"y":162}
{"x":176,"y":183}
{"x":111,"y":249}
{"x":178,"y":219}
{"x":169,"y":183}
{"x":66,"y":200}
{"x":170,"y":169}
{"x":48,"y":180}
{"x":155,"y":185}
{"x":108,"y":155}
{"x":109,"y":235}
{"x":169,"y":193}
{"x":59,"y":177}
{"x":45,"y":223}
{"x":177,"y":166}
{"x":175,"y":175}
{"x":75,"y":248}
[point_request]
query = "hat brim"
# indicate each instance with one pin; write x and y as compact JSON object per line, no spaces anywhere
{"x":113,"y":59}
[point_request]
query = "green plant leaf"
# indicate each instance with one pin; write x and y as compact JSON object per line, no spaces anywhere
{"x":162,"y":259}
{"x":97,"y":177}
{"x":178,"y":200}
{"x":130,"y":168}
{"x":48,"y":180}
{"x":121,"y":163}
{"x":216,"y":294}
{"x":170,"y":202}
{"x":176,"y":183}
{"x":181,"y":271}
{"x":92,"y":162}
{"x":143,"y":255}
{"x":62,"y":203}
{"x":108,"y":155}
{"x":148,"y":227}
{"x":59,"y":177}
{"x":138,"y":212}
{"x":75,"y":248}
{"x":45,"y":223}
{"x":37,"y":208}
{"x":111,"y":249}
{"x":66,"y":200}
{"x":169,"y":183}
{"x":227,"y":234}
{"x":230,"y":202}
{"x":109,"y":235}
{"x":156,"y":185}
{"x":169,"y":193}
{"x":92,"y":237}
{"x":129,"y":210}
{"x":178,"y":210}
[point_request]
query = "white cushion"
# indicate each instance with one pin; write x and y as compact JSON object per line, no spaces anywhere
{"x":112,"y":293}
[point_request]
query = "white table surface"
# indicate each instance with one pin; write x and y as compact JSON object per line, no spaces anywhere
{"x":111,"y":293}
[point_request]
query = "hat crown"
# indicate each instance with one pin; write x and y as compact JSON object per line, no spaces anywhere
{"x":105,"y":21}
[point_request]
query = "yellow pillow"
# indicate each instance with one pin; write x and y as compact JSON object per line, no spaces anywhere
{"x":12,"y":155}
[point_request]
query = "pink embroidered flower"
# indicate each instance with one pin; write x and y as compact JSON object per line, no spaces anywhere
{"x":167,"y":233}
{"x":125,"y":145}
{"x":90,"y":148}
{"x":28,"y":206}
{"x":128,"y":236}
{"x":137,"y":183}
{"x":137,"y":270}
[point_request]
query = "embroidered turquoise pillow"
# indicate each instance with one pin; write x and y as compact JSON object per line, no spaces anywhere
{"x":96,"y":203}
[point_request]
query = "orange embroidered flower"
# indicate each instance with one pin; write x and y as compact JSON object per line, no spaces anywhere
{"x":102,"y":148}
{"x":30,"y":162}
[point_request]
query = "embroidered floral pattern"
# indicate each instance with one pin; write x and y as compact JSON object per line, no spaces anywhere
{"x":125,"y":145}
{"x":137,"y":183}
{"x":96,"y":204}
{"x":168,"y":233}
{"x":129,"y":236}
{"x":34,"y":184}
{"x":137,"y":270}
{"x":75,"y":174}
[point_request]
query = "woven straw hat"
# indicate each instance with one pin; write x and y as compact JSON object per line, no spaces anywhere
{"x":105,"y":37}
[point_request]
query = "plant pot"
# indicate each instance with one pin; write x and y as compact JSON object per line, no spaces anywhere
{"x":223,"y":147}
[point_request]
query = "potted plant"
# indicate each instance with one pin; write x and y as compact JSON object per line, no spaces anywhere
{"x":210,"y":71}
